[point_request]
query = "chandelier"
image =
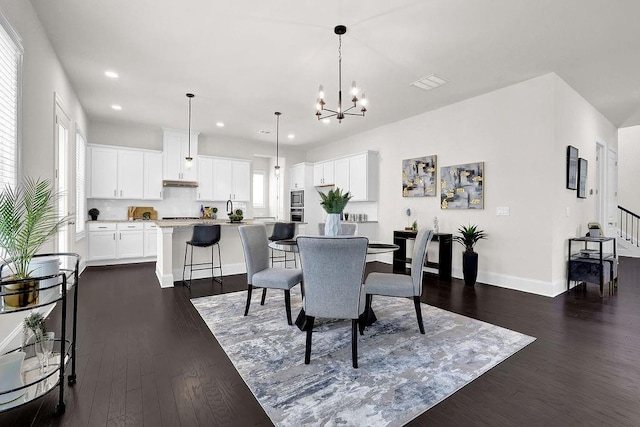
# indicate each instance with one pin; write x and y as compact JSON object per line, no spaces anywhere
{"x":277,"y":166}
{"x":189,"y":159}
{"x":340,"y":113}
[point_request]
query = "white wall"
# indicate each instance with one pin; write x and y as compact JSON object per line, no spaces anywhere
{"x":42,"y":77}
{"x":628,"y":170}
{"x":515,"y":131}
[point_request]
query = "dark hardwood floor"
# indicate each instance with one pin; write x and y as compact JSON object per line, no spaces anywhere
{"x":145,"y":357}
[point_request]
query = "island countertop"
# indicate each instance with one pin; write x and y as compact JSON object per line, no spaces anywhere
{"x":179,"y":223}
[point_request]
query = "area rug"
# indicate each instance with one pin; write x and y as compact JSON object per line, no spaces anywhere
{"x":401,"y":373}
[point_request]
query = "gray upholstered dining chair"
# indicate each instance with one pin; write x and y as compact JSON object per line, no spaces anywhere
{"x":347,"y":229}
{"x":259,"y":274}
{"x":333,"y":270}
{"x":401,"y":285}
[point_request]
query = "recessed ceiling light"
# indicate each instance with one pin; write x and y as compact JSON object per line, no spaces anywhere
{"x":291,"y":136}
{"x":430,"y":82}
{"x":111,"y":74}
{"x":116,"y":107}
{"x":220,"y":124}
{"x":326,"y":121}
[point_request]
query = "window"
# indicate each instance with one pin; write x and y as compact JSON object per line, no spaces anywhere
{"x":81,"y":201}
{"x":258,"y":189}
{"x":10,"y":72}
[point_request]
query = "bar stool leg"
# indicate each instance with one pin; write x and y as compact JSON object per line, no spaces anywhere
{"x":184,"y":265}
{"x":219,"y":261}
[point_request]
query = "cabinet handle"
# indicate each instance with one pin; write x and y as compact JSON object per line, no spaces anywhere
{"x":161,"y":194}
{"x":120,"y":193}
{"x":198,"y":195}
{"x":115,"y":193}
{"x":102,"y":227}
{"x":114,"y":236}
{"x":120,"y":236}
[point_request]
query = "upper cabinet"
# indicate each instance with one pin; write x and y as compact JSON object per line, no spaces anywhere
{"x":297,"y":173}
{"x":363,"y":176}
{"x":175,"y":151}
{"x":205,"y":178}
{"x":123,"y":173}
{"x":323,"y":173}
{"x":231,"y":179}
{"x":357,"y":174}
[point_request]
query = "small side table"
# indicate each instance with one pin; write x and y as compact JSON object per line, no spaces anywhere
{"x":400,"y":259}
{"x":593,"y":265}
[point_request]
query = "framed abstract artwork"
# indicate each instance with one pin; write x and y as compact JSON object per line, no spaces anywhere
{"x":419,"y":177}
{"x":582,"y":178}
{"x":462,"y":186}
{"x":572,"y":167}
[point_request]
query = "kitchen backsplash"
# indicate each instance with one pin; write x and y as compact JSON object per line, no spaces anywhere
{"x":178,"y":201}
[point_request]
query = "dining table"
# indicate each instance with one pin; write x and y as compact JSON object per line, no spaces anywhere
{"x":373,"y":248}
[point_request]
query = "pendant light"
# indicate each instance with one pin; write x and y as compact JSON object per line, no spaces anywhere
{"x":277,"y":166}
{"x":189,"y":159}
{"x":340,"y":113}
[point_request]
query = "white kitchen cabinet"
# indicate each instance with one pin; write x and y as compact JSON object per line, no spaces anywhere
{"x":130,"y":174}
{"x":124,"y":173}
{"x":341,"y":174}
{"x":231,"y":179}
{"x":103,"y":172}
{"x":175,"y":150}
{"x":102,"y":241}
{"x":323,"y":173}
{"x":205,"y":179}
{"x":111,"y":241}
{"x":130,"y":242}
{"x":297,"y":176}
{"x":363,"y":176}
{"x":152,"y":176}
{"x":150,"y":239}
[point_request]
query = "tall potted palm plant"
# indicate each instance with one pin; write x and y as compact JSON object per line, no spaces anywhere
{"x":468,"y":237}
{"x":334,"y":203}
{"x":28,"y":218}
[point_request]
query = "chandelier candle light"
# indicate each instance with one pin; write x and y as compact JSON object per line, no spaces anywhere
{"x":277,"y":166}
{"x":340,"y":113}
{"x":189,"y":159}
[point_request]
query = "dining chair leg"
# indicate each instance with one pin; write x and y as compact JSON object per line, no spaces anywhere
{"x":287,"y":305}
{"x":264,"y":295}
{"x":307,"y":350}
{"x":416,"y":302}
{"x":367,"y":308}
{"x":246,"y":309}
{"x":302,"y":290}
{"x":362,"y":322}
{"x":354,"y":342}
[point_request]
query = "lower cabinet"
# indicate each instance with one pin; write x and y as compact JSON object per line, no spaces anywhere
{"x":150,"y":239}
{"x":115,"y":241}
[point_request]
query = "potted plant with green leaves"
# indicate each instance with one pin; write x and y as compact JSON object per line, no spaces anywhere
{"x":28,"y":218}
{"x":468,"y":237}
{"x":334,"y":203}
{"x":236,"y":216}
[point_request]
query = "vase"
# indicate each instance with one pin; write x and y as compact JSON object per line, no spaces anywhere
{"x":28,"y":294}
{"x":11,"y":376}
{"x":470,"y":267}
{"x":333,"y":225}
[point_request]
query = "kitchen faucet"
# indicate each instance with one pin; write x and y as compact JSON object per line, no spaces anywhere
{"x":229,"y":212}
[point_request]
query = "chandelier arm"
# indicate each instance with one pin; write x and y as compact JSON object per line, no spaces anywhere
{"x":354,"y":114}
{"x":327,"y":117}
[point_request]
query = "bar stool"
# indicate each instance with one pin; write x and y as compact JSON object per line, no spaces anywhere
{"x":283,"y":231}
{"x":204,"y":236}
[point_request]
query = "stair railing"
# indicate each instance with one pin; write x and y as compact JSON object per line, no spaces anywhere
{"x":629,"y":226}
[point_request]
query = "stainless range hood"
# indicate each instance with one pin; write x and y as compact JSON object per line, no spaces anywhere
{"x":171,"y":183}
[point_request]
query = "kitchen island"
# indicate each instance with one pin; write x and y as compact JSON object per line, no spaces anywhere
{"x":172,"y":238}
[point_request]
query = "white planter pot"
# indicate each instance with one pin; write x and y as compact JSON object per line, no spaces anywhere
{"x":11,"y":376}
{"x":333,"y":226}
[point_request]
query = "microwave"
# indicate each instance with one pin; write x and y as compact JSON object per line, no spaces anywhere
{"x":297,"y":199}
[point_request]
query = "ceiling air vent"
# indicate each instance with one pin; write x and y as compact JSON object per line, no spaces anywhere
{"x":430,"y":82}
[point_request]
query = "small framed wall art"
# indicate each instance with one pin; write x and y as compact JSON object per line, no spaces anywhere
{"x":419,"y":177}
{"x":462,"y":186}
{"x":582,"y":178}
{"x":572,"y":167}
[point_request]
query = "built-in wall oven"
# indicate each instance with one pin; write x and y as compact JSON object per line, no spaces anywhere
{"x":297,"y":199}
{"x":297,"y":214}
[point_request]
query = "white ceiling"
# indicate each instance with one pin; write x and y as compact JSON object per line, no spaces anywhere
{"x":244,"y":60}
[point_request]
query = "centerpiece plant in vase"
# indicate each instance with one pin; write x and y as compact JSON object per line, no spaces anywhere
{"x":468,"y":237}
{"x":28,"y":218}
{"x":334,"y":203}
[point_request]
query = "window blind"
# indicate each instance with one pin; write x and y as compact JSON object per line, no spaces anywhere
{"x":81,"y":201}
{"x":10,"y":68}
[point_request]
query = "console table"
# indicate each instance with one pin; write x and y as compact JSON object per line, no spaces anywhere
{"x":445,"y":244}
